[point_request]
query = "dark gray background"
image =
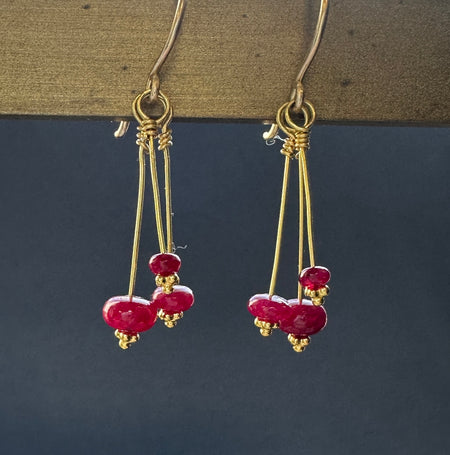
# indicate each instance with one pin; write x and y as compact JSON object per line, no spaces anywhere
{"x":375,"y":381}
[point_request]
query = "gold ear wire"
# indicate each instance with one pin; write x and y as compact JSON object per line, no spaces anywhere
{"x":153,"y":77}
{"x":298,"y":91}
{"x":297,"y":95}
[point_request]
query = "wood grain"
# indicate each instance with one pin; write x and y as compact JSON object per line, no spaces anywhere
{"x":379,"y":62}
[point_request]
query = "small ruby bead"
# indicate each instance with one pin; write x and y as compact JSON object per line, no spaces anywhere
{"x":268,"y":308}
{"x":164,"y":264}
{"x":303,"y":319}
{"x":314,"y":277}
{"x":130,"y":315}
{"x":180,"y":299}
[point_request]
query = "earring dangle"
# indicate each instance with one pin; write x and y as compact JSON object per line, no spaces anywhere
{"x":131,"y":315}
{"x":298,"y":317}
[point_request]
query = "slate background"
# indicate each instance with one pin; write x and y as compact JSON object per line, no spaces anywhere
{"x":375,"y":381}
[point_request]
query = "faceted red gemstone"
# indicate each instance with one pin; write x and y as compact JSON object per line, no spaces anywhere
{"x":314,"y":277}
{"x":180,"y":299}
{"x":129,"y":314}
{"x":303,"y":319}
{"x":164,"y":264}
{"x":268,"y":308}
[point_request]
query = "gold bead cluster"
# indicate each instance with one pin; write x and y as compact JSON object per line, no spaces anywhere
{"x":265,"y":328}
{"x":126,"y":340}
{"x":167,"y":283}
{"x":317,"y":295}
{"x":170,"y":320}
{"x":298,"y":344}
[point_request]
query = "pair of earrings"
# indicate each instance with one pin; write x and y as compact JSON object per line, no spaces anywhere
{"x":131,"y":315}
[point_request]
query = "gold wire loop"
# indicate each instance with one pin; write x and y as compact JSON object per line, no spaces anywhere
{"x":309,"y":115}
{"x":142,"y":117}
{"x":149,"y":127}
{"x":153,"y":77}
{"x":287,"y":125}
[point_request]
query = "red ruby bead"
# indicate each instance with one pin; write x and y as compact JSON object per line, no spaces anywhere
{"x":180,"y":299}
{"x":303,"y":319}
{"x":164,"y":264}
{"x":268,"y":308}
{"x":314,"y":277}
{"x":131,"y":315}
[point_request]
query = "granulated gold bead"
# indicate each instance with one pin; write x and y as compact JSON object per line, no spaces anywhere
{"x":167,"y":282}
{"x":317,"y":295}
{"x":324,"y":291}
{"x":170,"y":320}
{"x":298,"y":344}
{"x":265,"y":328}
{"x":125,"y":340}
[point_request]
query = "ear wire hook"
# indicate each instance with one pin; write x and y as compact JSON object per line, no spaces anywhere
{"x":298,"y":92}
{"x":153,"y":77}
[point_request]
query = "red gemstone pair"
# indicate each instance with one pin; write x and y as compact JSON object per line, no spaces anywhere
{"x":131,"y":315}
{"x":299,"y":320}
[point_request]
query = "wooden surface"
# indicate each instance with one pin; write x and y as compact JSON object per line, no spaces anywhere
{"x":383,"y":61}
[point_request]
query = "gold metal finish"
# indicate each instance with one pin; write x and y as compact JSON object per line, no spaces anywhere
{"x":305,"y":179}
{"x":265,"y":328}
{"x":297,"y":95}
{"x":153,"y":78}
{"x":147,"y":131}
{"x":150,"y":128}
{"x":276,"y":260}
{"x":138,"y":223}
{"x":301,"y":223}
{"x":317,"y":296}
{"x":156,"y":197}
{"x":165,"y":141}
{"x":170,"y":320}
{"x":126,"y":340}
{"x":167,"y":282}
{"x":298,"y":344}
{"x":295,"y":146}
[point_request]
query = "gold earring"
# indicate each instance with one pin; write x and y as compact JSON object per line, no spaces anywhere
{"x":298,"y":317}
{"x":130,"y":314}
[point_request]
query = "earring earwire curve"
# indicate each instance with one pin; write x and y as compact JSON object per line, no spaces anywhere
{"x":153,"y":77}
{"x":298,"y":92}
